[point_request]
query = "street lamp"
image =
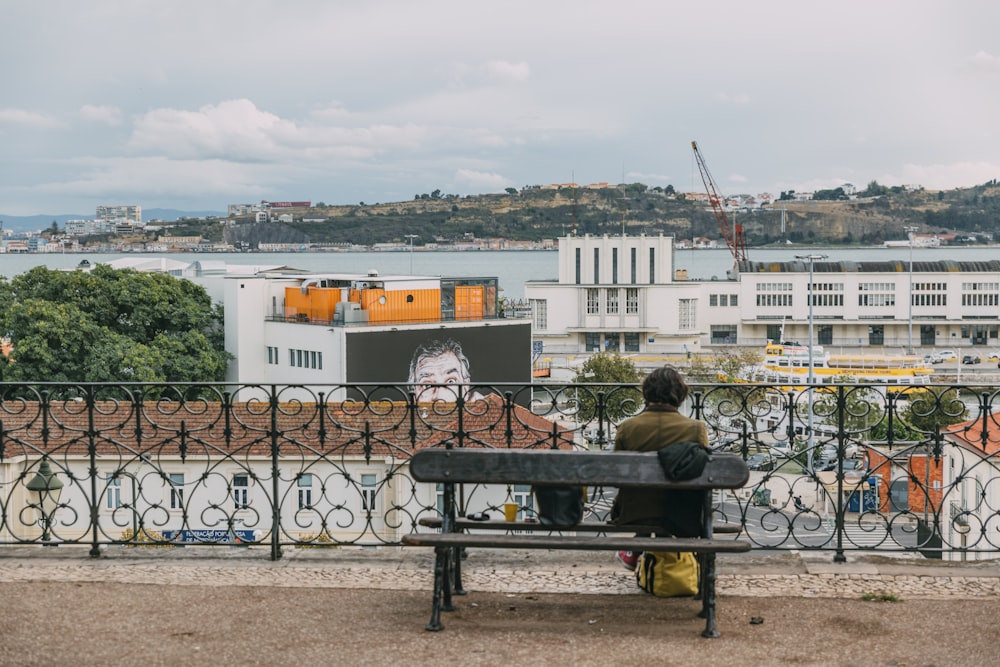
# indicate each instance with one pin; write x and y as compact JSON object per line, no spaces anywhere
{"x":411,"y":237}
{"x":49,"y":488}
{"x":909,"y":318}
{"x":811,"y":259}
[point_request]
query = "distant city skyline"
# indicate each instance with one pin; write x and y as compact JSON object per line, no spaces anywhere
{"x":384,"y":100}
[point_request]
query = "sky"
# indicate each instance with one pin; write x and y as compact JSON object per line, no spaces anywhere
{"x":197,"y":105}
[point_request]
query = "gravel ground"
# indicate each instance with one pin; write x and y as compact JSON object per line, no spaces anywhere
{"x":357,"y":607}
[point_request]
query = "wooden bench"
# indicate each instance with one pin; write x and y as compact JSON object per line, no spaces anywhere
{"x":587,"y":468}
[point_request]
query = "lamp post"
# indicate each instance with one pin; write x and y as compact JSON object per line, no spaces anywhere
{"x":909,"y":317}
{"x":811,"y":259}
{"x":49,"y":488}
{"x":411,"y":237}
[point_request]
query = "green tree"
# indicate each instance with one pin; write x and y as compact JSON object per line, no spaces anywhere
{"x":933,"y":408}
{"x":608,"y":372}
{"x":110,"y":325}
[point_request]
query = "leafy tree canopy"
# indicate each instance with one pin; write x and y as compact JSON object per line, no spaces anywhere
{"x":613,"y":370}
{"x":110,"y":325}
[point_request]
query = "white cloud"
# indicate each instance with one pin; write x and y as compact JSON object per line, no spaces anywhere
{"x":947,"y":176}
{"x":502,"y":70}
{"x":490,"y":182}
{"x":985,"y":61}
{"x":30,"y":119}
{"x":108,"y":115}
{"x":727,"y":98}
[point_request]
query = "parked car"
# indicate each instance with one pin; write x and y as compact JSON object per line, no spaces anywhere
{"x":971,"y":359}
{"x":942,"y":355}
{"x":760,"y":461}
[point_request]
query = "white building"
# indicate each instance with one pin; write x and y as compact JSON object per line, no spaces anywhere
{"x":620,"y":293}
{"x":289,"y":328}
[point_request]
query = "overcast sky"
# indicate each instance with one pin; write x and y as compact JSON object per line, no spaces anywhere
{"x":196,"y":105}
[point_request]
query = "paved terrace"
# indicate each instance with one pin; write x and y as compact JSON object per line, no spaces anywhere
{"x":232,"y":605}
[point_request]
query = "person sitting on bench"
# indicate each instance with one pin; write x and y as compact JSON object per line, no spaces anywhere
{"x":659,"y":425}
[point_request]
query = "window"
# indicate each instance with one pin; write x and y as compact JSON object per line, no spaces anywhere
{"x":876,"y":300}
{"x":774,"y":332}
{"x":713,"y":300}
{"x":687,"y":314}
{"x":611,"y":341}
{"x":524,"y":499}
{"x":633,"y":267}
{"x":592,"y":342}
{"x":439,"y":498}
{"x":272,"y":355}
{"x":614,"y":266}
{"x":241,"y":491}
{"x":540,"y":314}
{"x":578,"y":266}
{"x":652,"y":266}
{"x":723,"y":334}
{"x":176,"y":480}
{"x":304,"y":485}
{"x":593,"y":301}
{"x":734,"y":300}
{"x":612,"y":302}
{"x":631,"y":300}
{"x":631,"y":341}
{"x":777,"y":295}
{"x":368,"y":493}
{"x":114,"y":495}
{"x":305,"y":359}
{"x":597,"y":265}
{"x":876,"y":335}
{"x":827,"y":294}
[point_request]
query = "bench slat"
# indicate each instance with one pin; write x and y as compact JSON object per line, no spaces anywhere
{"x":589,"y":468}
{"x":609,"y":543}
{"x":585,"y":527}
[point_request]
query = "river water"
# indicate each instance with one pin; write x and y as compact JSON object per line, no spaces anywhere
{"x":512,"y":268}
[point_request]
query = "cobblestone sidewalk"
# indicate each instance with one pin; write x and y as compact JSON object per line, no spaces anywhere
{"x":502,"y":571}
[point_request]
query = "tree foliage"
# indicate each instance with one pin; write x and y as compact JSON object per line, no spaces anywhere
{"x":611,"y":370}
{"x":110,"y":325}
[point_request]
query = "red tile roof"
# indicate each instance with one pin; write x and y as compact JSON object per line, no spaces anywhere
{"x":170,"y":428}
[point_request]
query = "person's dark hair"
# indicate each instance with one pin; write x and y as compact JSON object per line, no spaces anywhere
{"x":665,"y":385}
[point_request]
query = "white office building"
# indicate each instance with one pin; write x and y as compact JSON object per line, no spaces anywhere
{"x":620,"y":293}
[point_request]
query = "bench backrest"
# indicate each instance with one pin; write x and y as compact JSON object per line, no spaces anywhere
{"x":590,"y":468}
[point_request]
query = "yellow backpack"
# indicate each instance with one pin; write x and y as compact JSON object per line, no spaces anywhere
{"x":667,"y":573}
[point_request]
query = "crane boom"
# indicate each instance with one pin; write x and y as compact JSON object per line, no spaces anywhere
{"x":733,"y":234}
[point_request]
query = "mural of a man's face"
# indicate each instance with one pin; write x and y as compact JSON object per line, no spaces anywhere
{"x":446,"y":369}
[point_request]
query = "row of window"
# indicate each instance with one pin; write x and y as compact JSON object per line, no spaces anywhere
{"x":611,"y":301}
{"x":239,"y":491}
{"x":633,"y":266}
{"x":297,"y":358}
{"x":612,"y":341}
{"x":723,"y":300}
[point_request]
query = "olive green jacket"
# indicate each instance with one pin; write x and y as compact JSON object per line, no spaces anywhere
{"x":649,"y":431}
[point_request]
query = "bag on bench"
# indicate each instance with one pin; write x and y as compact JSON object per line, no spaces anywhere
{"x":667,"y":573}
{"x":559,"y":506}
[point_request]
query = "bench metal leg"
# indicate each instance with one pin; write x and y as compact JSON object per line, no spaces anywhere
{"x":456,"y":569}
{"x":441,"y":588}
{"x":708,"y":597}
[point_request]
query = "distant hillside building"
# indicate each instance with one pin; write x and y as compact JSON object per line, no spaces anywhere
{"x":123,"y":212}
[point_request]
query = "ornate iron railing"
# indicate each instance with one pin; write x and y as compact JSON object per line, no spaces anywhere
{"x":841,"y":468}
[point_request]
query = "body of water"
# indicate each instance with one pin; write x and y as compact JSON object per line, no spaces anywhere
{"x":512,"y":268}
